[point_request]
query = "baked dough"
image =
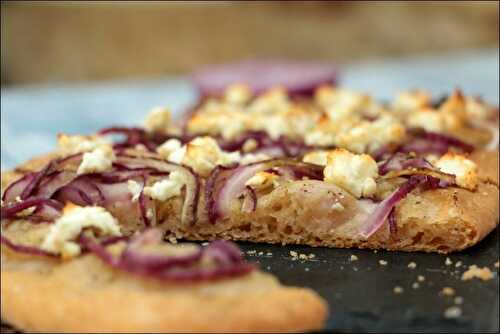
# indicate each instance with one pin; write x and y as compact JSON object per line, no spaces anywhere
{"x":85,"y":295}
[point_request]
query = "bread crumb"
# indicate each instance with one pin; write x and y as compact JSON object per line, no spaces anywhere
{"x":269,"y":254}
{"x":412,"y":265}
{"x":398,"y":290}
{"x":294,"y":254}
{"x":475,"y":272}
{"x":251,"y":252}
{"x":497,"y":264}
{"x":306,"y":269}
{"x":458,"y":264}
{"x":458,"y":300}
{"x":261,"y":253}
{"x":206,"y":244}
{"x":312,"y":256}
{"x":268,"y":268}
{"x":375,"y":251}
{"x":382,"y":262}
{"x":353,"y":258}
{"x":447,"y":291}
{"x":415,"y":285}
{"x":172,"y":240}
{"x":420,"y":278}
{"x":453,"y":312}
{"x":303,"y":256}
{"x":448,"y":262}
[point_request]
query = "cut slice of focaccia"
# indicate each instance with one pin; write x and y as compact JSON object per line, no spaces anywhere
{"x":112,"y":284}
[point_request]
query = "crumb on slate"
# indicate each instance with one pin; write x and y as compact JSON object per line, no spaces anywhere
{"x":312,"y":256}
{"x":269,"y":254}
{"x":415,"y":285}
{"x":453,"y":312}
{"x":458,"y":300}
{"x":306,"y":269}
{"x":382,"y":262}
{"x":353,"y":258}
{"x":398,"y":290}
{"x":448,"y":262}
{"x":475,"y":272}
{"x":261,"y":253}
{"x":420,"y":278}
{"x":458,"y":264}
{"x":251,"y":252}
{"x":447,"y":291}
{"x":294,"y":254}
{"x":412,"y":265}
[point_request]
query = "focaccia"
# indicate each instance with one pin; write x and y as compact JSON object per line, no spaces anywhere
{"x":337,"y":169}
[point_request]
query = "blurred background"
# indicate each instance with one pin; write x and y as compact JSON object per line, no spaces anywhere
{"x":66,"y":42}
{"x":80,"y":66}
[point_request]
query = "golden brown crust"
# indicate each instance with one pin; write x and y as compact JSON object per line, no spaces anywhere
{"x":84,"y":295}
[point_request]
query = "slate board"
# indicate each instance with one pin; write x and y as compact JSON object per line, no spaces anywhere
{"x":360,"y":293}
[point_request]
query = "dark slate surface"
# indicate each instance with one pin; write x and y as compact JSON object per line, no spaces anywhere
{"x":360,"y":293}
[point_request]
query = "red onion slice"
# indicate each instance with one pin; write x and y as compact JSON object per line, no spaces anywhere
{"x":401,"y":161}
{"x":192,"y":188}
{"x":249,"y":201}
{"x":51,"y":184}
{"x":29,"y":250}
{"x":11,"y":210}
{"x":299,"y":78}
{"x":226,"y":264}
{"x":16,"y":188}
{"x":378,"y":217}
{"x":133,"y":258}
{"x":226,"y":184}
{"x":30,"y":188}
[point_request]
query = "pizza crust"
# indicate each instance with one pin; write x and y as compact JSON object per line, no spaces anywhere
{"x":85,"y":295}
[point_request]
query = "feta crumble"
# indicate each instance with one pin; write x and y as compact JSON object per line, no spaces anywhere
{"x":68,"y":227}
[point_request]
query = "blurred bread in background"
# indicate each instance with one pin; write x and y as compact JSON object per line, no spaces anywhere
{"x":58,"y":41}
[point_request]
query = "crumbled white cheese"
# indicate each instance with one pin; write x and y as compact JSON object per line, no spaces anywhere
{"x":168,"y":147}
{"x":158,"y":120}
{"x":355,"y":173}
{"x":411,"y":101}
{"x":428,"y":119}
{"x":203,"y":154}
{"x":370,"y":136}
{"x":167,"y":188}
{"x":316,"y":157}
{"x":465,"y":170}
{"x":477,"y":109}
{"x":135,"y":189}
{"x":237,"y":94}
{"x":274,"y":100}
{"x":262,"y":180}
{"x":62,"y":234}
{"x":253,"y":157}
{"x":249,"y":145}
{"x":77,"y":144}
{"x":99,"y":160}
